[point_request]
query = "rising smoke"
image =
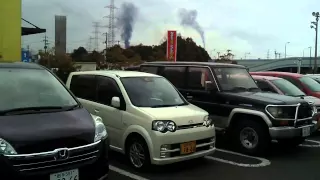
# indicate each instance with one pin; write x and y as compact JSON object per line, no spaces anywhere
{"x":127,"y":18}
{"x":189,"y":18}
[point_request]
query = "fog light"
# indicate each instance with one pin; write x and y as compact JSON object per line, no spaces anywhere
{"x":165,"y":147}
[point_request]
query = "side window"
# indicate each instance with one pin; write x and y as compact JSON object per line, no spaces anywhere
{"x":197,"y":76}
{"x":84,"y":86}
{"x":293,"y":81}
{"x":264,"y":86}
{"x":149,"y":69}
{"x":176,"y":75}
{"x":107,"y":89}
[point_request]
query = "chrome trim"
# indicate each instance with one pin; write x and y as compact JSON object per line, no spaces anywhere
{"x":49,"y":153}
{"x":295,"y":116}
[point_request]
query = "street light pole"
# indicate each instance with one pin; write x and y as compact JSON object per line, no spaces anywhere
{"x":245,"y":55}
{"x":314,"y":25}
{"x":310,"y":57}
{"x":285,"y":50}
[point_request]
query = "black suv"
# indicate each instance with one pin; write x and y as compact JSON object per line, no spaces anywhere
{"x":45,"y":133}
{"x":238,"y":107}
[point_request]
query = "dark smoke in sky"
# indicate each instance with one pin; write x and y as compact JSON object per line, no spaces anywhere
{"x":189,"y":18}
{"x":127,"y":18}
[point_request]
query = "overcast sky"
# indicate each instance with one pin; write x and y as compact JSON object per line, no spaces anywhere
{"x":240,"y":25}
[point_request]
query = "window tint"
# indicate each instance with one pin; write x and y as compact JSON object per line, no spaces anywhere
{"x":264,"y":86}
{"x":197,"y":76}
{"x":293,"y":81}
{"x":149,"y":69}
{"x":106,"y":90}
{"x":84,"y":86}
{"x":176,"y":75}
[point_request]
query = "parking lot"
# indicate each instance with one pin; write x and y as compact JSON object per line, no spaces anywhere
{"x":299,"y":163}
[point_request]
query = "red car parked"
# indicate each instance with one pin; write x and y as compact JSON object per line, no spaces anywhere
{"x":305,"y":83}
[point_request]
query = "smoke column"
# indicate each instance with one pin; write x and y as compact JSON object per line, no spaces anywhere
{"x":126,"y":21}
{"x":189,"y":18}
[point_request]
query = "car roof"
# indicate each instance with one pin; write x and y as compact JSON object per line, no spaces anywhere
{"x":277,"y":73}
{"x":21,"y":65}
{"x":117,"y":73}
{"x":214,"y":64}
{"x":265,"y":77}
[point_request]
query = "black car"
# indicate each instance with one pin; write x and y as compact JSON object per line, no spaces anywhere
{"x":45,"y":133}
{"x":238,"y":107}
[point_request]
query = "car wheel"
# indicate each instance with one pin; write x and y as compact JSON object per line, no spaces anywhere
{"x":292,"y":142}
{"x":251,"y":137}
{"x":138,"y":153}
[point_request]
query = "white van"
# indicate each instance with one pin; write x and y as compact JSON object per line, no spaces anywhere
{"x":146,"y":117}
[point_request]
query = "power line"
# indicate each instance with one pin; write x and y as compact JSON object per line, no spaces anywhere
{"x":111,"y":27}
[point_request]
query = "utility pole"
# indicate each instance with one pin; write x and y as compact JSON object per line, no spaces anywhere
{"x":111,"y":26}
{"x":46,"y":43}
{"x":285,"y":50}
{"x":106,"y":42}
{"x":279,"y":55}
{"x":275,"y":54}
{"x":268,"y":54}
{"x":314,"y":25}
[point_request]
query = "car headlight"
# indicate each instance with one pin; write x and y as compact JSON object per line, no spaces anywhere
{"x":6,"y":148}
{"x":275,"y":111}
{"x":100,"y":129}
{"x":282,"y":112}
{"x":207,"y":121}
{"x":164,"y":126}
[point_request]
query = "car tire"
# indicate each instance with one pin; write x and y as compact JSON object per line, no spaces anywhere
{"x":256,"y":143}
{"x":294,"y":142}
{"x":137,"y":152}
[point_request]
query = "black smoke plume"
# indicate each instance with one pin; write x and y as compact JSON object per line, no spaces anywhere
{"x":189,"y":18}
{"x":126,"y":21}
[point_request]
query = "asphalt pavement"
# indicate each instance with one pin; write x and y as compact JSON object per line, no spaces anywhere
{"x":301,"y":163}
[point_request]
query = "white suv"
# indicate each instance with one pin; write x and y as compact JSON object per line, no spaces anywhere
{"x":146,"y":117}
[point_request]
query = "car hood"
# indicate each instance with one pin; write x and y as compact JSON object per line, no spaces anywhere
{"x":261,"y":98}
{"x":313,"y":99}
{"x":181,"y":115}
{"x":31,"y":129}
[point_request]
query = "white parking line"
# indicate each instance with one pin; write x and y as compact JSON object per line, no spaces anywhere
{"x":126,"y":173}
{"x":316,"y":145}
{"x":264,"y":162}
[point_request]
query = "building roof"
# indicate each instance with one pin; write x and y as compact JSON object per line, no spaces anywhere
{"x":270,"y":73}
{"x":21,"y":65}
{"x":193,"y":63}
{"x":117,"y":73}
{"x":265,"y":77}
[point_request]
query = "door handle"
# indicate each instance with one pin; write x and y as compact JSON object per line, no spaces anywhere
{"x":96,"y":110}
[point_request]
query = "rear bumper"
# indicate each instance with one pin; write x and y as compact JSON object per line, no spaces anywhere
{"x":290,"y":132}
{"x":95,"y":169}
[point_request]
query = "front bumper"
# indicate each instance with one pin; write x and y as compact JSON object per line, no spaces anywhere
{"x":285,"y":132}
{"x":92,"y":164}
{"x":205,"y":145}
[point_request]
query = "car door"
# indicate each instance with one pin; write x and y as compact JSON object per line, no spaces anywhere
{"x":107,"y":88}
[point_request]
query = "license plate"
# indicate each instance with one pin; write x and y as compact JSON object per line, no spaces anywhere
{"x":66,"y":175}
{"x":188,"y":147}
{"x":305,"y":131}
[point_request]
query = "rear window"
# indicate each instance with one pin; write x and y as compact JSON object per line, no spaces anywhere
{"x":23,"y":88}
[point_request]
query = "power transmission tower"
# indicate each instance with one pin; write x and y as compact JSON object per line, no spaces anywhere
{"x":96,"y":32}
{"x":111,"y":27}
{"x":90,"y":43}
{"x":275,"y":54}
{"x":46,"y":43}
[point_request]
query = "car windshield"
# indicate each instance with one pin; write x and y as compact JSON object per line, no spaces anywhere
{"x":316,"y":78}
{"x":288,"y":88}
{"x":25,"y":88}
{"x":152,"y":92}
{"x":235,"y":79}
{"x":313,"y":85}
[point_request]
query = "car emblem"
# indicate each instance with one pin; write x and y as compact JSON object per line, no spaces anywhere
{"x":62,"y":154}
{"x":190,"y":122}
{"x":205,"y":123}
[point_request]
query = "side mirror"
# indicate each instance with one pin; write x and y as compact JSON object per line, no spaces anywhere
{"x":115,"y":102}
{"x":209,"y":86}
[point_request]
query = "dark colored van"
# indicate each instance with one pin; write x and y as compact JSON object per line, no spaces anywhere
{"x":45,"y":133}
{"x":237,"y":106}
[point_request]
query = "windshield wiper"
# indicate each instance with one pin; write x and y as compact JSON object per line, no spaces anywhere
{"x":168,"y":105}
{"x":38,"y":109}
